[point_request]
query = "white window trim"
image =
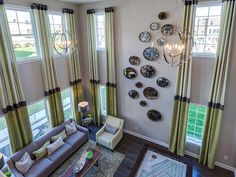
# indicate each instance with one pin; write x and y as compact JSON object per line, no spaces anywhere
{"x":28,"y":9}
{"x":99,"y":49}
{"x":200,"y":54}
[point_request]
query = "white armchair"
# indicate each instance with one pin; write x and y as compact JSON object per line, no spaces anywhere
{"x":107,"y":139}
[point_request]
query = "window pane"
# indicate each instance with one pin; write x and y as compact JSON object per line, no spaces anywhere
{"x":202,"y":11}
{"x":14,"y":28}
{"x":215,"y":10}
{"x":4,"y":138}
{"x":38,"y":118}
{"x":67,"y":103}
{"x":23,"y":17}
{"x":100,"y":30}
{"x":103,"y":100}
{"x":25,"y":28}
{"x":57,"y":19}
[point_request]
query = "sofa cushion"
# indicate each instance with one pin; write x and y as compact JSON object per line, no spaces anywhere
{"x":61,"y":154}
{"x":42,"y":151}
{"x":24,"y":164}
{"x":76,"y":139}
{"x":113,"y":121}
{"x":41,"y":168}
{"x":111,"y":129}
{"x":55,"y":145}
{"x":61,"y":134}
{"x":70,"y":129}
{"x":105,"y":139}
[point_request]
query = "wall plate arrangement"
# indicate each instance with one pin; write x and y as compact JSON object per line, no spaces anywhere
{"x":161,"y":41}
{"x":130,"y":73}
{"x":163,"y":15}
{"x":162,"y":82}
{"x":145,"y":36}
{"x":154,"y":26}
{"x":138,"y":84}
{"x":133,"y":94}
{"x":143,"y":103}
{"x":148,"y":71}
{"x":134,"y":60}
{"x":150,"y":93}
{"x":167,"y":29}
{"x":154,"y":115}
{"x":151,"y":53}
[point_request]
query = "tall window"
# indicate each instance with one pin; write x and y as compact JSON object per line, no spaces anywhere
{"x":207,"y":29}
{"x":4,"y":138}
{"x":39,"y":118}
{"x":22,"y":33}
{"x":55,"y":20}
{"x":196,"y":122}
{"x":100,"y":31}
{"x":103,"y":100}
{"x":67,"y":103}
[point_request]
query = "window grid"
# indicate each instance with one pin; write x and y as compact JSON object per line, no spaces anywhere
{"x":100,"y":31}
{"x":196,"y":122}
{"x":103,"y":100}
{"x":55,"y":26}
{"x":23,"y":33}
{"x":67,"y":103}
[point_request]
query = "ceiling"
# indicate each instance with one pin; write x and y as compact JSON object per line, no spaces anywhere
{"x":81,"y":1}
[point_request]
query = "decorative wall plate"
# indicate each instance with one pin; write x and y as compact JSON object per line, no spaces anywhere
{"x":162,"y":82}
{"x":143,"y":103}
{"x":134,"y":60}
{"x":130,"y":73}
{"x":162,"y":15}
{"x":145,"y":36}
{"x":154,"y":26}
{"x":148,"y":71}
{"x":154,"y":115}
{"x":151,"y":53}
{"x":161,"y":41}
{"x":133,"y":94}
{"x":138,"y":84}
{"x":150,"y":93}
{"x":167,"y":29}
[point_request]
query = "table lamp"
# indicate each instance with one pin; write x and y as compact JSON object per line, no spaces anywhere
{"x":2,"y":162}
{"x":83,"y":107}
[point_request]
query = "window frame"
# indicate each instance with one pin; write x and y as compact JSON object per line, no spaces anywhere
{"x":99,"y":49}
{"x":101,"y":100}
{"x":28,"y":9}
{"x":71,"y":103}
{"x":202,"y":54}
{"x":8,"y":138}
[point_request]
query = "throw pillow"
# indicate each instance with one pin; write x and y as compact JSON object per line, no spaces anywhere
{"x":42,"y":151}
{"x":24,"y":164}
{"x":70,"y":129}
{"x":55,"y":145}
{"x":111,"y":129}
{"x":62,"y":135}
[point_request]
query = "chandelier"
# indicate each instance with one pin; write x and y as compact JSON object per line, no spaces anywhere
{"x":174,"y":45}
{"x":64,"y":42}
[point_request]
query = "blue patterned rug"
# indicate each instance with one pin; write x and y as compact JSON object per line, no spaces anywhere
{"x":157,"y":165}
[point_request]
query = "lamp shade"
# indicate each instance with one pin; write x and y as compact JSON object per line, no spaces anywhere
{"x":83,"y":107}
{"x":2,"y":163}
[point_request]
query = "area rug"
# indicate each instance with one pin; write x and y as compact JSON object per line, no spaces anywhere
{"x":157,"y":165}
{"x":108,"y":163}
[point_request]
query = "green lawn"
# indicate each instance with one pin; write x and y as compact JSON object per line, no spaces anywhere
{"x":25,"y":52}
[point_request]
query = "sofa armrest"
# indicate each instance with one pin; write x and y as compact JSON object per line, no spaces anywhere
{"x":82,"y":129}
{"x":12,"y":168}
{"x":100,"y":132}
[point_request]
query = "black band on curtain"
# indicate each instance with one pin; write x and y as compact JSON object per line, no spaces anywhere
{"x":90,"y":11}
{"x":1,"y":2}
{"x":94,"y":81}
{"x":181,"y":98}
{"x":108,"y":84}
{"x":68,"y":11}
{"x":75,"y":82}
{"x":109,"y":9}
{"x":39,"y":6}
{"x":227,"y":0}
{"x":190,"y":2}
{"x":215,"y":105}
{"x":50,"y":92}
{"x":13,"y":107}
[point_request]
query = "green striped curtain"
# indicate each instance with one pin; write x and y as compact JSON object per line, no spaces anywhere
{"x":50,"y":80}
{"x":74,"y":65}
{"x":93,"y":68}
{"x":183,"y":86}
{"x":218,"y":86}
{"x":11,"y":94}
{"x":111,"y":63}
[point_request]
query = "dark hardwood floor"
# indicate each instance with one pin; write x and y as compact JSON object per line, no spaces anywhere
{"x":131,"y":147}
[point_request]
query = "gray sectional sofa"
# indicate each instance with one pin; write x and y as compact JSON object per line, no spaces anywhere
{"x":48,"y":164}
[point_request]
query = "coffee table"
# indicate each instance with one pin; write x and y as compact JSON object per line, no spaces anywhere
{"x":88,"y":164}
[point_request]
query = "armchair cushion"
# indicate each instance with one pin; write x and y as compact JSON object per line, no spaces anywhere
{"x":105,"y":139}
{"x":111,"y":129}
{"x":113,"y":121}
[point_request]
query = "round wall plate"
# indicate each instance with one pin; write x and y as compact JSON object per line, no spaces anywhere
{"x":133,"y":94}
{"x":138,"y":84}
{"x":167,"y":29}
{"x":150,"y":93}
{"x":162,"y":82}
{"x":154,"y":26}
{"x":143,"y":103}
{"x":145,"y":36}
{"x":151,"y":53}
{"x":154,"y":115}
{"x":148,"y":71}
{"x":134,"y":60}
{"x":130,"y":73}
{"x":163,"y":15}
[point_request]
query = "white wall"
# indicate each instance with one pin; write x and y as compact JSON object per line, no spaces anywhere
{"x":131,"y":18}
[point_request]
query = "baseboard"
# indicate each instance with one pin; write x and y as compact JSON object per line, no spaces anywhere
{"x":219,"y":164}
